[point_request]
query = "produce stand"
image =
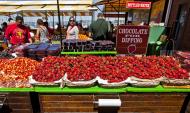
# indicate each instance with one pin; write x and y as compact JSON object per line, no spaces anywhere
{"x":50,"y":99}
{"x":55,"y":99}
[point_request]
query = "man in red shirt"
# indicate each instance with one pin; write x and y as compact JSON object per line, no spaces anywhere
{"x":16,"y":33}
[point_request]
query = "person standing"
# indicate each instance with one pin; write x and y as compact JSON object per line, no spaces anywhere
{"x":4,"y":26}
{"x":16,"y":33}
{"x":42,"y":32}
{"x":72,"y":30}
{"x":98,"y":30}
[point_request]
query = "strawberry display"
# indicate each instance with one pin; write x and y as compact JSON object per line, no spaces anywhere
{"x":50,"y":69}
{"x":117,"y":69}
{"x":83,"y":68}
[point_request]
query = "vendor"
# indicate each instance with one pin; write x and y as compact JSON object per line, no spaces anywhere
{"x":16,"y":33}
{"x":72,"y":30}
{"x":98,"y":29}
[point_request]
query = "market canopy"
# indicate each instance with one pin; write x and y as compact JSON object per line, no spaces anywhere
{"x":65,"y":5}
{"x":113,"y":5}
{"x":117,"y":5}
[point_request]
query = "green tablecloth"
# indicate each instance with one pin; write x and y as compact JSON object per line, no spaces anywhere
{"x":94,"y":89}
{"x":156,"y":89}
{"x":16,"y":89}
{"x":90,"y":52}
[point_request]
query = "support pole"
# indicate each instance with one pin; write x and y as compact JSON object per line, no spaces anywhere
{"x":53,"y":22}
{"x":126,"y":17}
{"x":118,"y":12}
{"x":62,"y":19}
{"x":59,"y":20}
{"x":46,"y":16}
{"x":150,"y":13}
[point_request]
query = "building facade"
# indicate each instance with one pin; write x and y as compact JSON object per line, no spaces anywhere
{"x":179,"y":21}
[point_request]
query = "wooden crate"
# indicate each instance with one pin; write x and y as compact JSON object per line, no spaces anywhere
{"x":131,"y":102}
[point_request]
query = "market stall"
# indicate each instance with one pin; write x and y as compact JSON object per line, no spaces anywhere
{"x":38,"y":81}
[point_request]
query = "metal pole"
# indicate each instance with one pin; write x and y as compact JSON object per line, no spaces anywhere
{"x":53,"y":22}
{"x":62,"y":19}
{"x":150,"y":13}
{"x":126,"y":17}
{"x":22,"y":14}
{"x":118,"y":13}
{"x":46,"y":16}
{"x":59,"y":19}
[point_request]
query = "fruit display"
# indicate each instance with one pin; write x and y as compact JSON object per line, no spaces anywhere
{"x":39,"y":51}
{"x":50,"y":69}
{"x":155,"y":67}
{"x":13,"y":81}
{"x":83,"y":37}
{"x":20,"y":50}
{"x":5,"y":54}
{"x":15,"y":72}
{"x":113,"y":69}
{"x":182,"y":54}
{"x":184,"y":59}
{"x":117,"y":69}
{"x":75,"y":45}
{"x":84,"y":68}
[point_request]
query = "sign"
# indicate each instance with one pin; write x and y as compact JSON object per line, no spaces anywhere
{"x":138,"y":5}
{"x":132,"y":39}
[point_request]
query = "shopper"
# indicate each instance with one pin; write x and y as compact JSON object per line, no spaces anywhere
{"x":50,"y":30}
{"x":72,"y":30}
{"x":98,"y":29}
{"x":4,"y":26}
{"x":2,"y":35}
{"x":42,"y":32}
{"x":10,"y":21}
{"x":16,"y":33}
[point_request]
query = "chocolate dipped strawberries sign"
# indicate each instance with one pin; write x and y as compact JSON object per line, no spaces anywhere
{"x":132,"y":39}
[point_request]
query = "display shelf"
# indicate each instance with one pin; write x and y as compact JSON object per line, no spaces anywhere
{"x":94,"y":89}
{"x":158,"y":89}
{"x":16,"y":89}
{"x":90,"y":53}
{"x":97,"y":89}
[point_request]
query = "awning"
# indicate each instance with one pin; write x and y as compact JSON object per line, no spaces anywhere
{"x":113,"y":5}
{"x":52,"y":2}
{"x":66,"y":5}
{"x":44,"y":14}
{"x":116,"y":5}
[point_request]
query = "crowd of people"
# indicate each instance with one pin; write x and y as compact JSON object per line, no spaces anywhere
{"x":16,"y":33}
